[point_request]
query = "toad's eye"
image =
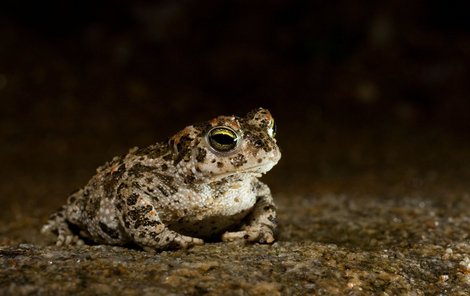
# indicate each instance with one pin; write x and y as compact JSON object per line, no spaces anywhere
{"x":222,"y":139}
{"x":272,"y":129}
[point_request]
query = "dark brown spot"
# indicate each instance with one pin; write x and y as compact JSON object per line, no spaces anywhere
{"x":220,"y":165}
{"x":163,"y":190}
{"x":201,"y":154}
{"x":133,"y":214}
{"x":154,"y":235}
{"x":164,"y":167}
{"x":132,"y":200}
{"x":189,"y":179}
{"x":136,"y":185}
{"x":122,"y":186}
{"x":172,"y":189}
{"x":119,"y":205}
{"x":165,"y":179}
{"x":184,"y":150}
{"x":238,"y":160}
{"x":92,"y":205}
{"x":139,"y":216}
{"x":149,"y":222}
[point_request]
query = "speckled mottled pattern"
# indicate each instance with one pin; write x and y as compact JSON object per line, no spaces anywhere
{"x":200,"y":184}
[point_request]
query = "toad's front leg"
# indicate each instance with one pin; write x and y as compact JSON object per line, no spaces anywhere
{"x":260,"y":225}
{"x":144,"y":226}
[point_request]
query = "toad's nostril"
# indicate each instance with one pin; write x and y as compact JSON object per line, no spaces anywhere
{"x":259,"y":143}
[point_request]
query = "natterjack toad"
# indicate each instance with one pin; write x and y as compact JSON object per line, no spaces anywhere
{"x":200,"y":184}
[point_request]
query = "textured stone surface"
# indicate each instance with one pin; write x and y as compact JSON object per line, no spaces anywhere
{"x":328,"y":244}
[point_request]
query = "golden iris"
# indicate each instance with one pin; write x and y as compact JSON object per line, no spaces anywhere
{"x":222,"y":139}
{"x":272,"y":128}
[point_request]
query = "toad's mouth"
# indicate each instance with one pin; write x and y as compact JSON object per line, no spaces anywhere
{"x":255,"y":171}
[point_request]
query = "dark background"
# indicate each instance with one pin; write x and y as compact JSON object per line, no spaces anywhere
{"x":371,"y":99}
{"x":369,"y":96}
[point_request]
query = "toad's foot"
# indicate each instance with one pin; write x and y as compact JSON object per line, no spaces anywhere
{"x":262,"y":235}
{"x":185,"y":242}
{"x":174,"y":241}
{"x":58,"y":225}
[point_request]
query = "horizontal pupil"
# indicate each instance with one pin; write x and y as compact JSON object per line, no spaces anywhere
{"x":223,"y":139}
